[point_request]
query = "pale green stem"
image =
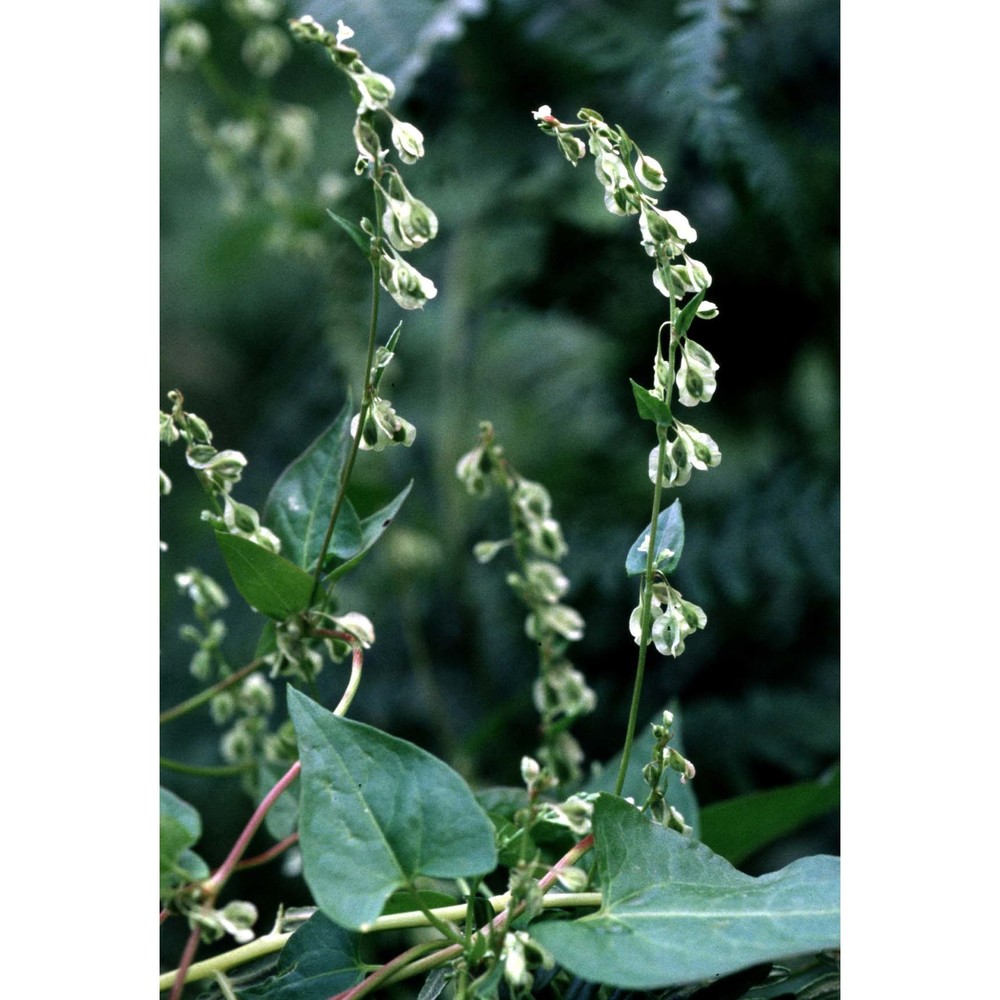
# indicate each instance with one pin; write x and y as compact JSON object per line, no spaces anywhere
{"x":209,"y":693}
{"x":357,"y":661}
{"x":645,"y":617}
{"x":500,"y":921}
{"x":267,"y":944}
{"x":366,"y":398}
{"x":222,"y":771}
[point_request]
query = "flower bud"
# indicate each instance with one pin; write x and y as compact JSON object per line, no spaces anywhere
{"x":473,"y":470}
{"x":375,"y":90}
{"x":707,"y":310}
{"x":165,"y":484}
{"x":695,"y":374}
{"x":485,"y":551}
{"x":515,"y":963}
{"x":168,"y":429}
{"x":238,"y":918}
{"x":530,"y":770}
{"x":206,"y":595}
{"x":408,"y":140}
{"x":200,"y":666}
{"x":289,"y":142}
{"x":358,"y":625}
{"x":573,"y":879}
{"x":702,"y":449}
{"x":257,"y":695}
{"x":680,"y":764}
{"x":366,"y":139}
{"x":675,"y":821}
{"x":405,"y":283}
{"x":236,"y":745}
{"x":546,"y":121}
{"x":573,"y":149}
{"x":650,"y":173}
{"x":266,"y":50}
{"x":559,"y":618}
{"x":308,"y":29}
{"x":185,"y":46}
{"x":222,"y":707}
{"x":260,"y":10}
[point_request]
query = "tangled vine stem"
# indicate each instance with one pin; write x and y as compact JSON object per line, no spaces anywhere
{"x":403,"y":967}
{"x":647,"y":618}
{"x":213,"y":885}
{"x":209,"y":693}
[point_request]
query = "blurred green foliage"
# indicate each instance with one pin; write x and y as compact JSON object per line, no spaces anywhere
{"x":545,"y":309}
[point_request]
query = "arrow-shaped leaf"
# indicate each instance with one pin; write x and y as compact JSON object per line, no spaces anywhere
{"x":651,"y":407}
{"x":299,"y":504}
{"x":371,"y":530}
{"x":375,"y":812}
{"x":673,"y":912}
{"x":268,"y":582}
{"x":669,"y":543}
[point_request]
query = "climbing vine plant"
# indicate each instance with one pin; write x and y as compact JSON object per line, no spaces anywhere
{"x":612,"y":878}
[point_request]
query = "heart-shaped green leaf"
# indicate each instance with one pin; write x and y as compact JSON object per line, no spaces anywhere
{"x":299,"y":505}
{"x":669,"y":543}
{"x":375,"y":812}
{"x":673,"y":912}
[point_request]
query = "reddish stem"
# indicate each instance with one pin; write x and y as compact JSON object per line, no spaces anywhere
{"x":186,"y":959}
{"x":271,"y":852}
{"x":216,"y":882}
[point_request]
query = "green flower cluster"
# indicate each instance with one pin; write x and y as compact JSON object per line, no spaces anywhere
{"x":406,"y":222}
{"x":561,"y":693}
{"x":217,"y":471}
{"x":627,"y":176}
{"x":624,"y":171}
{"x":664,"y":760}
{"x":262,"y":148}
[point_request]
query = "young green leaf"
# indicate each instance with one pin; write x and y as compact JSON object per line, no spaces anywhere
{"x":651,"y":407}
{"x":669,"y":543}
{"x":371,"y":530}
{"x":673,"y":912}
{"x":299,"y":504}
{"x":180,"y":828}
{"x":375,"y":812}
{"x":318,"y":961}
{"x":354,"y":231}
{"x":686,"y":316}
{"x":738,"y":827}
{"x":268,"y":582}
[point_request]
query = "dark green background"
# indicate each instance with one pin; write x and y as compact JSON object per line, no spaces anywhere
{"x":545,"y":309}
